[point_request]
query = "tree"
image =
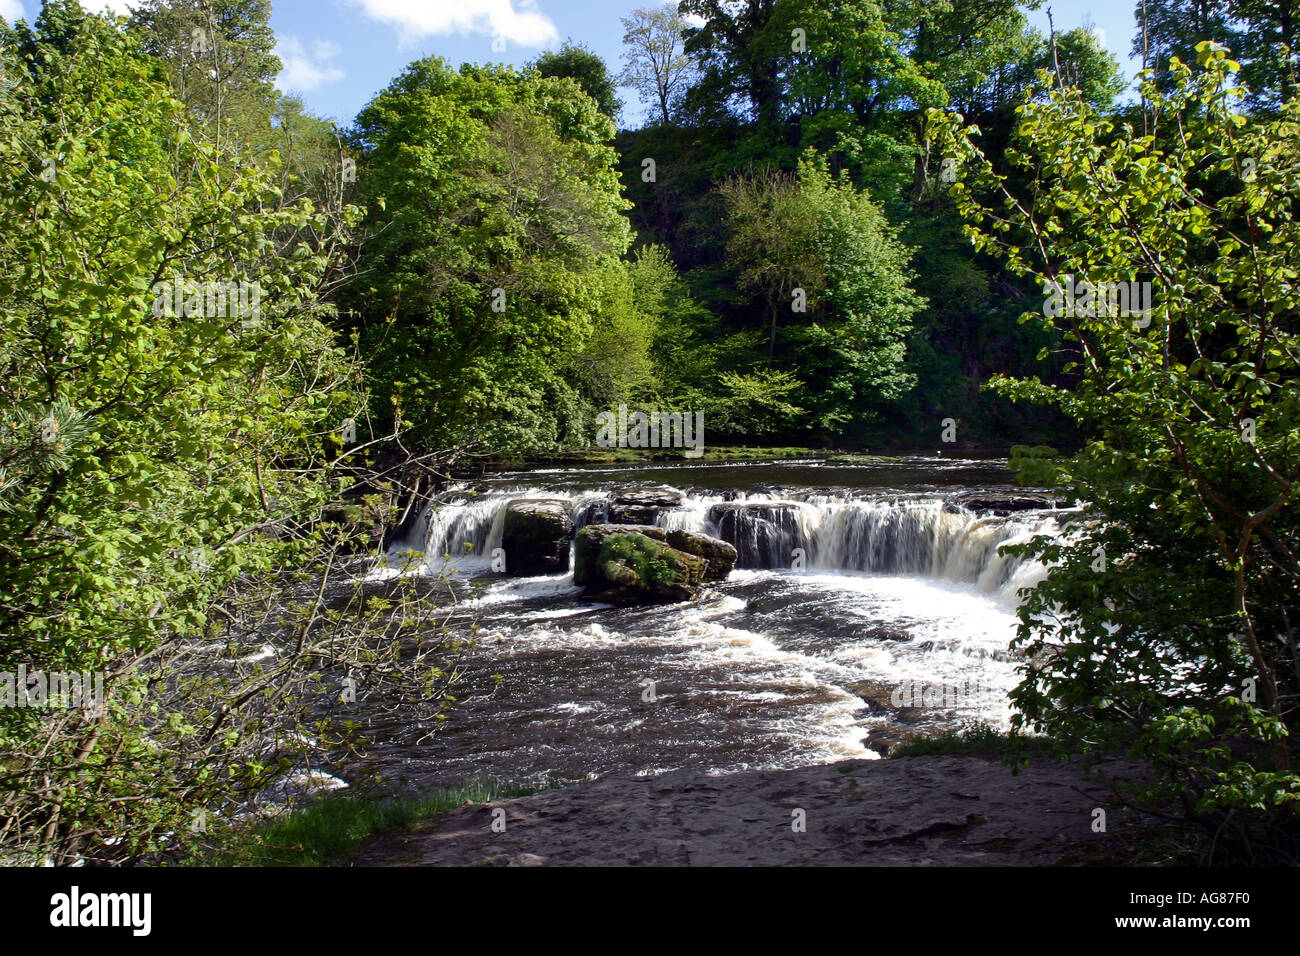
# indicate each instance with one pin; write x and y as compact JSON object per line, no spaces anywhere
{"x":738,"y":74}
{"x":1166,"y":625}
{"x":496,"y":215}
{"x":220,"y":58}
{"x":580,"y":64}
{"x":655,"y":64}
{"x":1173,"y":28}
{"x":1087,"y":66}
{"x":818,"y":250}
{"x":169,"y":475}
{"x":1268,"y":42}
{"x":854,"y":351}
{"x":617,"y":363}
{"x":772,"y":246}
{"x":1259,"y":32}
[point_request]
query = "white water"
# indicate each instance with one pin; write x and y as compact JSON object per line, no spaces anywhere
{"x":921,"y":537}
{"x":772,"y":668}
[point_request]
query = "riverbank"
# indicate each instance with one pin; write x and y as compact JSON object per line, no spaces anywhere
{"x":720,"y":454}
{"x":934,"y":810}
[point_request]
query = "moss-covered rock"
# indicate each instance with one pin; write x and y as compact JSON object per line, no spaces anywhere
{"x":634,"y":568}
{"x":586,"y":547}
{"x":720,"y":555}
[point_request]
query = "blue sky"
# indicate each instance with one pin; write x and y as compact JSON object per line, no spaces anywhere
{"x":339,"y":53}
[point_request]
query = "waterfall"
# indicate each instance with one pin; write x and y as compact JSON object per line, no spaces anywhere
{"x":925,"y":537}
{"x":445,"y":530}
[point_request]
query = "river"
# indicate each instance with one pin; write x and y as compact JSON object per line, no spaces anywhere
{"x":901,"y":597}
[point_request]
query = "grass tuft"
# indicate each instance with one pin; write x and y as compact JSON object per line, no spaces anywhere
{"x":333,"y":828}
{"x":974,"y":737}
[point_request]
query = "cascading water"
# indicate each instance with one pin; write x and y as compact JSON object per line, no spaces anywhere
{"x":891,"y":535}
{"x":847,"y":607}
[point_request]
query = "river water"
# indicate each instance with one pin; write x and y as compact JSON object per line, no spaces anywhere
{"x":897,"y":620}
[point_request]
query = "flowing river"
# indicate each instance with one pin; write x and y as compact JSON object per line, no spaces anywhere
{"x":868,"y":602}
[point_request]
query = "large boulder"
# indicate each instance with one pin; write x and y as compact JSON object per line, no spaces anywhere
{"x":535,"y":536}
{"x":586,"y":547}
{"x":641,"y":507}
{"x":721,"y":557}
{"x":632,"y":568}
{"x":764,"y":533}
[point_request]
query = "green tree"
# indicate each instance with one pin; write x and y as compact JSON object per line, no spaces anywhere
{"x":1173,"y":28}
{"x":1166,"y":625}
{"x":495,"y":213}
{"x":588,"y":70}
{"x":618,"y":363}
{"x":1268,"y":43}
{"x":818,"y":251}
{"x":220,"y":58}
{"x":655,"y":63}
{"x":168,"y":465}
{"x":855,"y":348}
{"x":772,"y":245}
{"x":739,"y":73}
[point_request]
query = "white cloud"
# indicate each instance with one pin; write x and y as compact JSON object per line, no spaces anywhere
{"x":515,"y":21}
{"x":11,"y":10}
{"x":303,"y":71}
{"x":692,"y":19}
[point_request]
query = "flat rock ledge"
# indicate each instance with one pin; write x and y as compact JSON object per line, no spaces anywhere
{"x":907,"y":811}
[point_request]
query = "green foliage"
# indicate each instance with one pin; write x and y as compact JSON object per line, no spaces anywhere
{"x":855,"y":347}
{"x":219,"y":57}
{"x":585,"y":68}
{"x":1167,"y":623}
{"x":813,"y":241}
{"x":773,"y":228}
{"x":973,"y":737}
{"x":756,"y":403}
{"x":1263,"y":35}
{"x":331,"y":830}
{"x":648,"y":561}
{"x":724,"y":203}
{"x":497,"y":225}
{"x":138,"y":483}
{"x":617,"y":364}
{"x":173,"y":505}
{"x":1037,"y":465}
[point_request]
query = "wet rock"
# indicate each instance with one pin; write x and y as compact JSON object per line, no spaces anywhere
{"x":633,"y":568}
{"x":535,"y":536}
{"x":641,"y":507}
{"x":720,"y":555}
{"x":882,"y":743}
{"x":586,"y":547}
{"x":1002,"y":505}
{"x":764,"y":533}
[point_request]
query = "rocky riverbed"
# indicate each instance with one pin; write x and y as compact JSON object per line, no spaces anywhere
{"x":764,"y":618}
{"x":907,"y":811}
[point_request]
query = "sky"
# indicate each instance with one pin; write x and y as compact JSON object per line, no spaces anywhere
{"x":338,"y":54}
